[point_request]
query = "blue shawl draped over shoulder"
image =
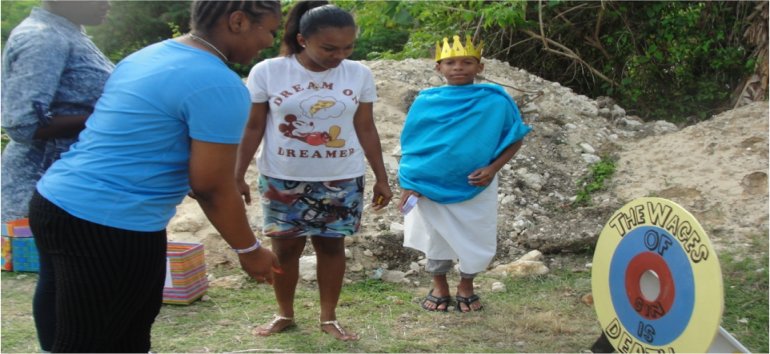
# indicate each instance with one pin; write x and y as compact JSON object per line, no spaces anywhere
{"x":451,"y":131}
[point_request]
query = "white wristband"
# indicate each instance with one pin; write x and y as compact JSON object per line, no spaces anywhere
{"x":248,"y":249}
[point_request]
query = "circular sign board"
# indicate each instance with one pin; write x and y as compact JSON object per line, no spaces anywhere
{"x":656,"y":280}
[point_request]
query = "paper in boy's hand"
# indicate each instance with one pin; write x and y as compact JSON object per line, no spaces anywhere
{"x":410,"y":203}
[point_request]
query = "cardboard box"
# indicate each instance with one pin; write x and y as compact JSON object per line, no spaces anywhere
{"x":7,"y":257}
{"x":186,"y":279}
{"x":24,"y":254}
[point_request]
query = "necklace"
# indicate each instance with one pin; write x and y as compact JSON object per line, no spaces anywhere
{"x":206,"y":43}
{"x":313,"y":84}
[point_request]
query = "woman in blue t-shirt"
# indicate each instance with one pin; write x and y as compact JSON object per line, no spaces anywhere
{"x":169,"y":120}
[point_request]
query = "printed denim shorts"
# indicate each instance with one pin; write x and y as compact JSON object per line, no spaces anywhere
{"x":301,"y":208}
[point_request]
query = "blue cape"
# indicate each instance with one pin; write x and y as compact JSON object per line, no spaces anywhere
{"x":451,"y":131}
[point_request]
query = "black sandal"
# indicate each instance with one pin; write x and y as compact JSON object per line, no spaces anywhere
{"x":467,"y":301}
{"x":445,"y":300}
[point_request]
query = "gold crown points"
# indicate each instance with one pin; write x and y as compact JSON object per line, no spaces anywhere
{"x":457,"y":49}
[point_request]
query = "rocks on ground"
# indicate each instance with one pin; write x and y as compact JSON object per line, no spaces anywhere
{"x":716,"y":169}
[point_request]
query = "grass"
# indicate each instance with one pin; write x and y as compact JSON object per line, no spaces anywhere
{"x":534,"y":314}
{"x":17,"y":329}
{"x":594,"y":181}
{"x":387,"y":316}
{"x":746,"y":285}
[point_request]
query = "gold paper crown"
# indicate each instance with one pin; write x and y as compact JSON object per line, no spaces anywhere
{"x":457,"y":49}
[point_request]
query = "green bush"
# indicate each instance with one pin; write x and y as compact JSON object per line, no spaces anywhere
{"x":681,"y":62}
{"x":594,"y":182}
{"x":13,"y":12}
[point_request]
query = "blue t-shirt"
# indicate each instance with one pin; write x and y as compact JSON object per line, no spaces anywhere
{"x":50,"y":68}
{"x":130,"y":167}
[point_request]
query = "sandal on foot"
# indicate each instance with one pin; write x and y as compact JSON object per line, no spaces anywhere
{"x":344,"y":336}
{"x":270,"y":328}
{"x":444,"y":300}
{"x":467,"y":301}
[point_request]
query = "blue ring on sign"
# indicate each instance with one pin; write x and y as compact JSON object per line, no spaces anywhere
{"x":670,"y":326}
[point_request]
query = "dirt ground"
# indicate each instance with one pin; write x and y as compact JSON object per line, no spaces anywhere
{"x":716,"y":169}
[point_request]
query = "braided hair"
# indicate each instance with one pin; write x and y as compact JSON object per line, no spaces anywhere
{"x":205,"y":14}
{"x":308,"y":17}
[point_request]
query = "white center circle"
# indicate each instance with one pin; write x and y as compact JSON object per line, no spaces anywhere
{"x":649,"y":283}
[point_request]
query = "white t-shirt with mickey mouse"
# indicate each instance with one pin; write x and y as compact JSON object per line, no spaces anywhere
{"x":310,"y":134}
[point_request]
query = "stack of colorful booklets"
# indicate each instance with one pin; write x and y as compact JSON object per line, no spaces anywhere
{"x":19,"y":253}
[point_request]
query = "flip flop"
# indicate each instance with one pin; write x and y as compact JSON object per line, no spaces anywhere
{"x":344,"y":336}
{"x":467,"y":301}
{"x":269,"y":329}
{"x":436,"y":300}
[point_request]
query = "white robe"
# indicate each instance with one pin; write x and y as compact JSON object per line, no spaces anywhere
{"x":466,"y":231}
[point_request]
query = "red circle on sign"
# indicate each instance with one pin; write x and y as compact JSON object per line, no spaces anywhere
{"x":649,"y":308}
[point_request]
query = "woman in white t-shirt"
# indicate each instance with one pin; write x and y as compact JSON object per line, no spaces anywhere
{"x":312,"y":113}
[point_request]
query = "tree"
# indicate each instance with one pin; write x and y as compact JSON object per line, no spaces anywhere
{"x":132,"y":25}
{"x":680,"y":61}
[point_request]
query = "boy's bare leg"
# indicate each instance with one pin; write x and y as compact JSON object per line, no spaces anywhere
{"x":465,"y":289}
{"x":440,"y":289}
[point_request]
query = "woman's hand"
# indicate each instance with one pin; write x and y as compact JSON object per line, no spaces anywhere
{"x":245,"y":190}
{"x":260,"y":264}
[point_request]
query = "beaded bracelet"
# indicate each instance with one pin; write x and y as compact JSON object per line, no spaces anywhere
{"x":247,"y":249}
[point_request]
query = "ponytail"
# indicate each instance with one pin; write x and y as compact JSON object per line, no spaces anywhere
{"x":307,"y":18}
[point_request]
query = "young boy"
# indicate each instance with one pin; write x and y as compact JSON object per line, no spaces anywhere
{"x":455,"y":139}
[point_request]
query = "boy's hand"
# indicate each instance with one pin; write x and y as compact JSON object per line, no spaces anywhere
{"x":405,"y":195}
{"x":482,"y":177}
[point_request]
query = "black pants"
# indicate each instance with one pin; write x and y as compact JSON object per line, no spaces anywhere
{"x":99,"y":287}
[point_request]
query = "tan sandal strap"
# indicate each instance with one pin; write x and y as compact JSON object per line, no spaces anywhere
{"x":276,"y":319}
{"x":268,"y":329}
{"x":336,"y":325}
